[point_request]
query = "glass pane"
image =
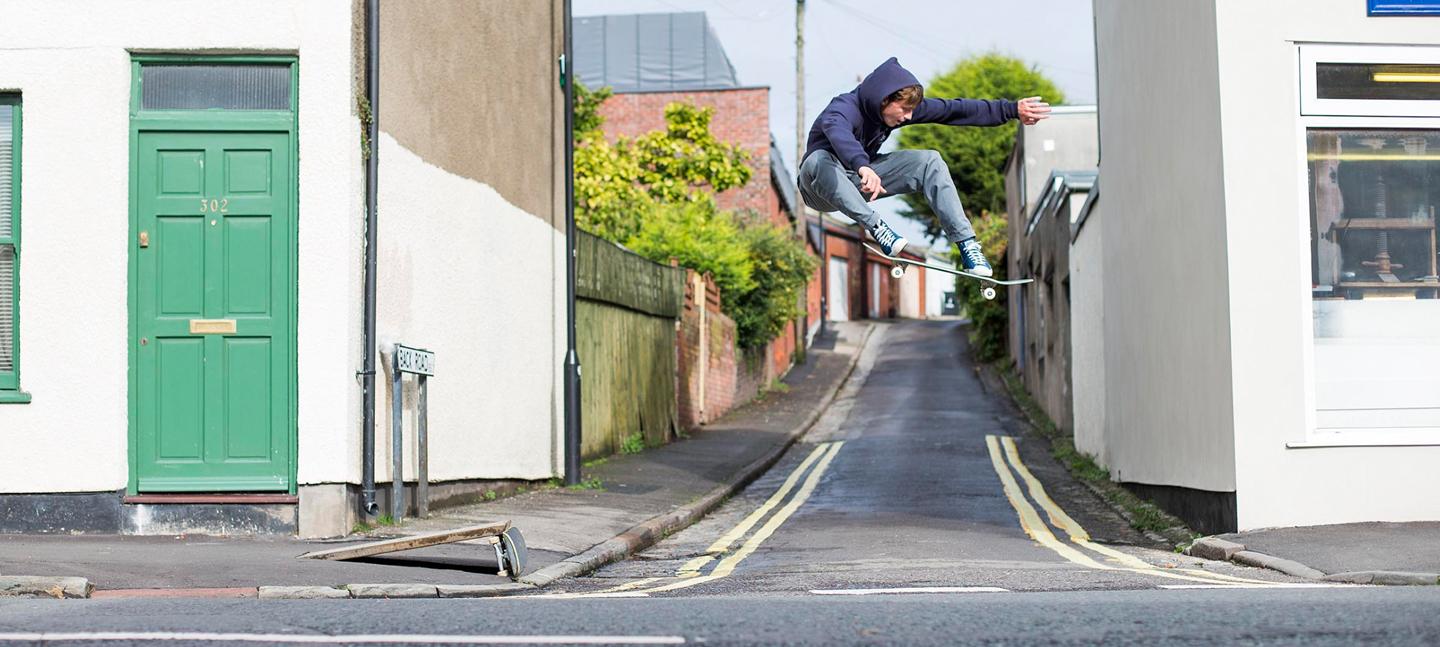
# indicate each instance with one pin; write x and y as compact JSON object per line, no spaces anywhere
{"x":7,"y":171}
{"x":1373,"y":198}
{"x":220,"y":87}
{"x":7,"y":309}
{"x":1377,"y":81}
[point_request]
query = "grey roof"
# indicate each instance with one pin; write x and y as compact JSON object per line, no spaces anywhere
{"x":1060,"y":186}
{"x":651,"y":53}
{"x":780,"y":177}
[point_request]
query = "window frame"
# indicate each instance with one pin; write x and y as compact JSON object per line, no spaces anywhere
{"x":1311,"y":105}
{"x":1358,"y":114}
{"x":10,"y":381}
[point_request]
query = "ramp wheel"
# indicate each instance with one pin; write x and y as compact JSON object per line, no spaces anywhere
{"x":988,"y":293}
{"x":898,"y":271}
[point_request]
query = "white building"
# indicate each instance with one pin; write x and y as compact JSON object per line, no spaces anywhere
{"x":1270,"y":172}
{"x":183,"y":185}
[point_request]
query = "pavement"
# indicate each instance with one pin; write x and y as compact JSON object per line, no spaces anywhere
{"x":570,"y":531}
{"x":1360,"y":553}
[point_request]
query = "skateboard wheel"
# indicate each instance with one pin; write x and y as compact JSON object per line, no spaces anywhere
{"x":989,"y":293}
{"x":898,"y":271}
{"x":515,"y":553}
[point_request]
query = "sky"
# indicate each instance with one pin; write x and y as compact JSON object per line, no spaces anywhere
{"x":845,"y":39}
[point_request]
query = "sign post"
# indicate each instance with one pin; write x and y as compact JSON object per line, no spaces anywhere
{"x":421,"y":363}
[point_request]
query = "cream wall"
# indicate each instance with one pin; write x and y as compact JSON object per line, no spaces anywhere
{"x":1166,"y":303}
{"x":1269,"y":277}
{"x":470,"y":276}
{"x":1087,"y":337}
{"x":69,"y":60}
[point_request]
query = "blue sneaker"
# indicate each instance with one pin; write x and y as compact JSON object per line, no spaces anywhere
{"x":973,"y":259}
{"x":890,"y":242}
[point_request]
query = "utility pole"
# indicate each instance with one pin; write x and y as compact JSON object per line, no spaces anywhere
{"x":801,"y":214}
{"x":799,"y":110}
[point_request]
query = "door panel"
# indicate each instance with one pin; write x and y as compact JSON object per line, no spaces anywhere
{"x":212,"y":400}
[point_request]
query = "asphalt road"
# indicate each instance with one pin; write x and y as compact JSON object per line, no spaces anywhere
{"x":915,"y":512}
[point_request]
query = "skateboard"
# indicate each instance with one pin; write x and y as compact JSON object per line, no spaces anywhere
{"x":511,"y":556}
{"x":898,"y":271}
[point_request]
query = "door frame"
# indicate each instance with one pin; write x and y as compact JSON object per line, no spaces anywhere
{"x":210,"y":120}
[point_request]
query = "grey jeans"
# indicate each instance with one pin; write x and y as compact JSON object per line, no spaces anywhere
{"x":827,"y":185}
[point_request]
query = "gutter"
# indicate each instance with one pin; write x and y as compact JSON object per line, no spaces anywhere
{"x":372,"y":161}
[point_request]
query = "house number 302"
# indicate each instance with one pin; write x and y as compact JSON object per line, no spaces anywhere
{"x":215,"y":206}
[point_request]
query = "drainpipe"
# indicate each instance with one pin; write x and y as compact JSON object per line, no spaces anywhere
{"x":572,"y":359}
{"x":367,"y":372}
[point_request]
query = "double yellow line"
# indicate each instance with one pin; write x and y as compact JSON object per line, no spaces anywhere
{"x":718,"y":553}
{"x":1037,"y":529}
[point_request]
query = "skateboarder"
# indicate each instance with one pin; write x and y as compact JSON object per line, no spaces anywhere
{"x":843,"y":169}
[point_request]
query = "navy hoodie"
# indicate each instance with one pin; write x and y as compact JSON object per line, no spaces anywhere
{"x":851,"y":127}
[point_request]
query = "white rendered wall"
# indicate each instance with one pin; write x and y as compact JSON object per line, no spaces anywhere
{"x":1166,"y":303}
{"x":69,"y":60}
{"x":909,"y":287}
{"x":1087,"y":337}
{"x":937,"y":283}
{"x":472,"y":277}
{"x":1269,"y":277}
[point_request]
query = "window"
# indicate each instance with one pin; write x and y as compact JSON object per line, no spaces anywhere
{"x":1373,"y":183}
{"x":9,"y":248}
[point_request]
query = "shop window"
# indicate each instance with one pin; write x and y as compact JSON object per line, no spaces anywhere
{"x":1373,"y":177}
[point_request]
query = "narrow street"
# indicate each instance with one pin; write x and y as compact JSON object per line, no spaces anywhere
{"x":916,"y":478}
{"x":914,"y":512}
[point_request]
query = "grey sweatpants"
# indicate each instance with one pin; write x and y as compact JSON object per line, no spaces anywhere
{"x":827,"y":185}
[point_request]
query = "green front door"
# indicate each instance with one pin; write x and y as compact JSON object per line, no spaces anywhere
{"x":213,"y":311}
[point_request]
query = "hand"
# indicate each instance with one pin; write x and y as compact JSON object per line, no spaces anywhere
{"x":1032,"y":110}
{"x":870,"y":182}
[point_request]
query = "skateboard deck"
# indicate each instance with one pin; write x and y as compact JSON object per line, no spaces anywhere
{"x":901,"y":263}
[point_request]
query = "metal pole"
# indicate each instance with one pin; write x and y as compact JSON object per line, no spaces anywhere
{"x":799,"y":154}
{"x":397,"y":443}
{"x":367,"y":370}
{"x":799,"y":109}
{"x":422,"y":485}
{"x":572,"y":358}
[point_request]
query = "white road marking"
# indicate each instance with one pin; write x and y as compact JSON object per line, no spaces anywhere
{"x":341,"y":639}
{"x":918,"y":589}
{"x":1272,"y":585}
{"x":576,"y":596}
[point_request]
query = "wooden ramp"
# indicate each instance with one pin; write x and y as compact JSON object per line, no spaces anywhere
{"x":489,"y":532}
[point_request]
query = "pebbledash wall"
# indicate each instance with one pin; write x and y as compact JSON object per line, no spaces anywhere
{"x":1209,"y":378}
{"x":460,"y":172}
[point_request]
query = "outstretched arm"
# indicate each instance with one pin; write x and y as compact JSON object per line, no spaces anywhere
{"x":979,"y":112}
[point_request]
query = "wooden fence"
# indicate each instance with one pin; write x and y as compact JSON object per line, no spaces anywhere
{"x":626,"y":309}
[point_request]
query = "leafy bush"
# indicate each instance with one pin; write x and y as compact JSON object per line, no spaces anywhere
{"x":989,"y":319}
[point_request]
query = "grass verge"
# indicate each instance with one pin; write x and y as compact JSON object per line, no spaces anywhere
{"x":1142,"y":515}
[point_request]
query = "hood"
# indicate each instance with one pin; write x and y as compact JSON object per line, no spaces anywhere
{"x":881,"y":83}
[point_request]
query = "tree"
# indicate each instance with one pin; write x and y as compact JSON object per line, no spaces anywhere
{"x":976,"y":156}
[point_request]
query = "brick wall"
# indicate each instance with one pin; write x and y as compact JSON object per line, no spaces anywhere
{"x":741,"y":117}
{"x":730,"y":377}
